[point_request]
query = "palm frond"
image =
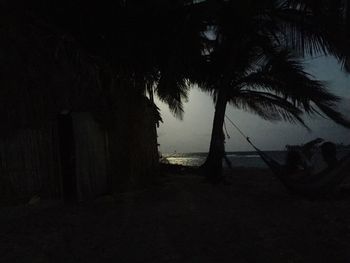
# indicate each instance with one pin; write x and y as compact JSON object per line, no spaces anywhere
{"x":314,"y":27}
{"x":173,"y":92}
{"x":333,"y":114}
{"x":282,"y":79}
{"x":268,"y":106}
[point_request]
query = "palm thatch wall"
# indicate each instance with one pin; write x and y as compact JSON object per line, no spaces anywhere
{"x":44,"y":73}
{"x":30,"y":163}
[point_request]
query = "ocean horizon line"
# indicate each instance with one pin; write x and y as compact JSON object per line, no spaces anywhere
{"x":227,"y":152}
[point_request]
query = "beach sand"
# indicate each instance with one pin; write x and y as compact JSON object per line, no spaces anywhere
{"x":183,"y":219}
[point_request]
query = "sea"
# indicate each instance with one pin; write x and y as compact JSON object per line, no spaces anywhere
{"x":248,"y":159}
{"x":237,"y":159}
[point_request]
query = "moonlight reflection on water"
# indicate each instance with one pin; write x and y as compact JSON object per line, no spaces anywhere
{"x":239,"y":159}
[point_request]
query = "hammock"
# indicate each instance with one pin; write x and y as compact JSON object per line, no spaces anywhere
{"x":309,"y":184}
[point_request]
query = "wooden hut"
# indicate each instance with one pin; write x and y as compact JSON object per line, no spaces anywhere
{"x":71,"y":128}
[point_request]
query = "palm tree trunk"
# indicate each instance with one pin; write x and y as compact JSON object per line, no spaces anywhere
{"x":212,"y":168}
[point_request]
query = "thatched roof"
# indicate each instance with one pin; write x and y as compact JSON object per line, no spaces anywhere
{"x":43,"y":72}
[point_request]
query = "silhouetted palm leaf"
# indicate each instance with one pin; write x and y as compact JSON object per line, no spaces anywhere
{"x":283,"y":79}
{"x":267,"y":106}
{"x":173,"y":92}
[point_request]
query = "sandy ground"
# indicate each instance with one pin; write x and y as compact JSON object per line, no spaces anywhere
{"x":184,"y":220}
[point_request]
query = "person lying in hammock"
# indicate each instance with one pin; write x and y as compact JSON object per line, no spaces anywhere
{"x":302,"y":172}
{"x":303,"y":160}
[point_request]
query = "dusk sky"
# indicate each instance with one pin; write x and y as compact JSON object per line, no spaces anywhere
{"x":192,"y":134}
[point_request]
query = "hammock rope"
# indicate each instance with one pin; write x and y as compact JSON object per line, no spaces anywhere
{"x":273,"y":164}
{"x":242,"y":133}
{"x":322,"y":182}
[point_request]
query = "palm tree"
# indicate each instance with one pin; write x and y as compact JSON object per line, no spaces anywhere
{"x":275,"y":87}
{"x":251,"y":67}
{"x":164,"y":43}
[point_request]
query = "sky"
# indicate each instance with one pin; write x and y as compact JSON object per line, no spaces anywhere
{"x":192,"y":134}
